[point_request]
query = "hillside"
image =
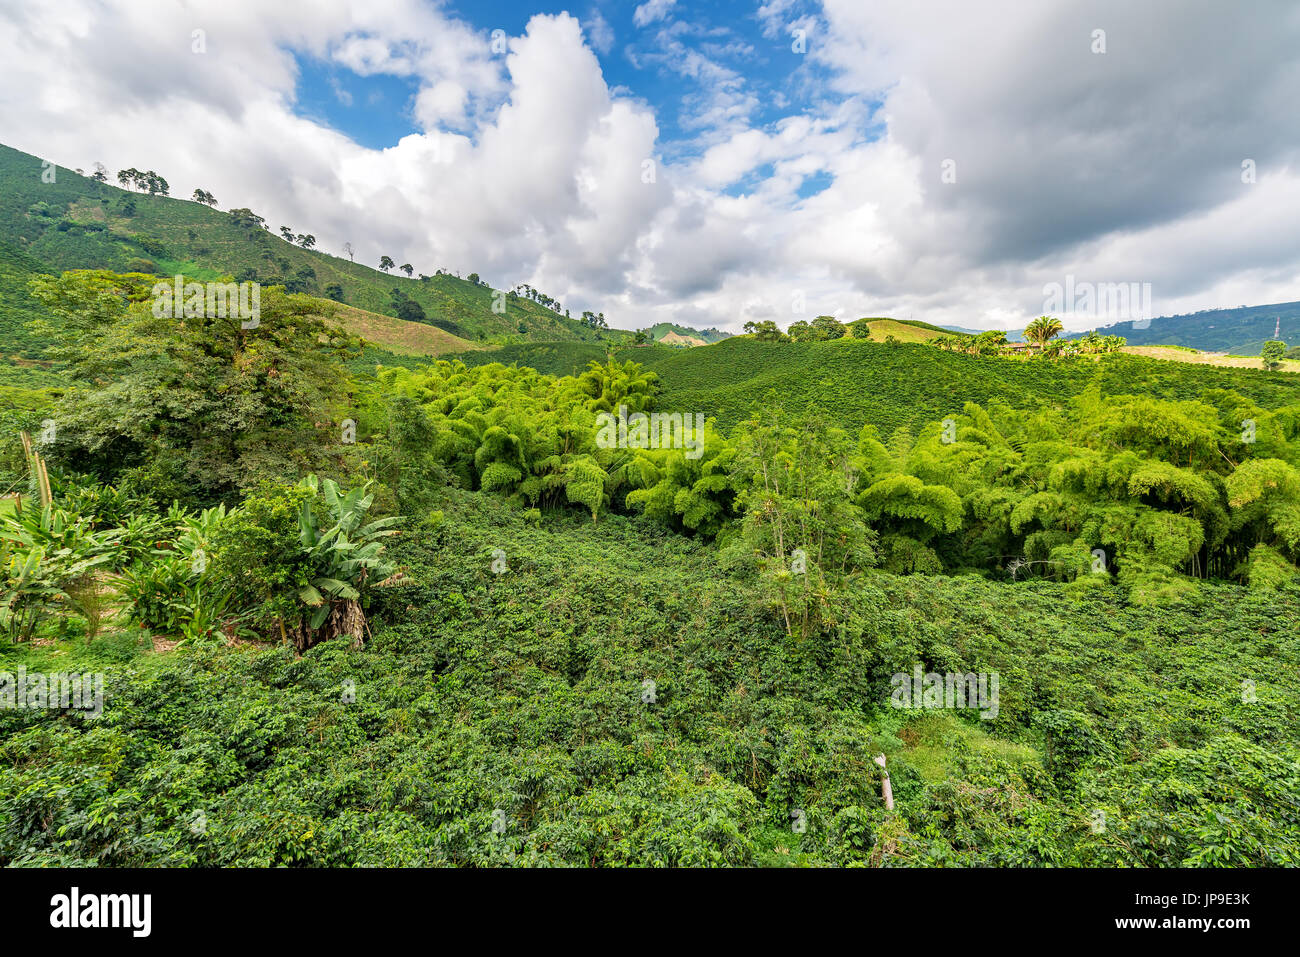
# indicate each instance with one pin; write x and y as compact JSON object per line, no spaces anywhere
{"x":856,"y":382}
{"x":676,"y":339}
{"x":397,"y":335}
{"x":1239,"y":332}
{"x":903,"y":330}
{"x":76,"y":223}
{"x":17,"y":307}
{"x":672,"y":333}
{"x":1196,"y":357}
{"x":391,"y":336}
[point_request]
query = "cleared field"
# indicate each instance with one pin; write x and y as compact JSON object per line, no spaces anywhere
{"x":1205,"y":358}
{"x":673,"y":339}
{"x":398,"y":335}
{"x":902,"y":331}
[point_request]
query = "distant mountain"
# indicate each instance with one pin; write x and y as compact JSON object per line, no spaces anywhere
{"x":75,"y":222}
{"x":1013,"y":335}
{"x":674,"y":334}
{"x":1241,"y":331}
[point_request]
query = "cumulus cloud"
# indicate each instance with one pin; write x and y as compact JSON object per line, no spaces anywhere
{"x":966,"y":154}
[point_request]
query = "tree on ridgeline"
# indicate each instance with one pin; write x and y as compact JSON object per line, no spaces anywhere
{"x":766,"y":331}
{"x":826,"y":328}
{"x":1043,"y":329}
{"x":247,"y":219}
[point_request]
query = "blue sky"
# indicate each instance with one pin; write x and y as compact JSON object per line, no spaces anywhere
{"x":679,"y":63}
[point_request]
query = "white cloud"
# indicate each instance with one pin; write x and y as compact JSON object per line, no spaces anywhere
{"x":599,"y":33}
{"x":527,"y":167}
{"x":651,"y":10}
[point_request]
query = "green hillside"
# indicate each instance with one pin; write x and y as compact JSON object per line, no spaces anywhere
{"x":17,"y":307}
{"x":76,"y":223}
{"x":1241,"y":331}
{"x":855,"y":382}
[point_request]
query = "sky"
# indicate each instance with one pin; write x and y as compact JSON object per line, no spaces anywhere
{"x":713,"y":162}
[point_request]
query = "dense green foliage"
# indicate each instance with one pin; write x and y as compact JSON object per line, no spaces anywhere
{"x":430,"y":616}
{"x":549,"y":358}
{"x":524,"y":698}
{"x":201,"y":407}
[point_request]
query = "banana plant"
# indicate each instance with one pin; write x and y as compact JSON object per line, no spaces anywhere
{"x":343,"y":559}
{"x":26,"y":595}
{"x":50,"y":555}
{"x":36,"y":580}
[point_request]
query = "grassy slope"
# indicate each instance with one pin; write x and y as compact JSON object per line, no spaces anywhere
{"x":1183,"y":354}
{"x":902,"y":330}
{"x":677,"y":339}
{"x":856,"y":382}
{"x":206,"y":243}
{"x":397,"y":335}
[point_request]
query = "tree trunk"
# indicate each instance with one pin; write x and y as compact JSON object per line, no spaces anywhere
{"x":346,"y":618}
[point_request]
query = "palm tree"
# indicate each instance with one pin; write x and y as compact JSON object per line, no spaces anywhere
{"x":1043,"y":329}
